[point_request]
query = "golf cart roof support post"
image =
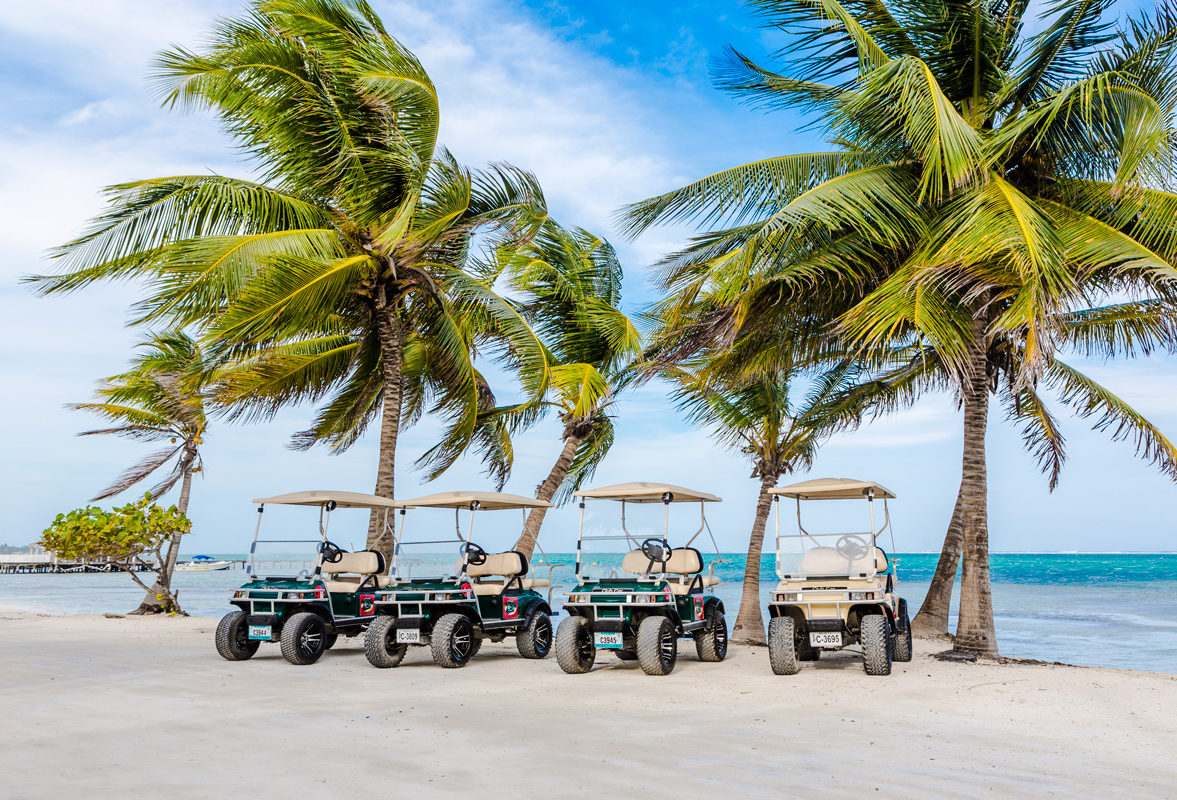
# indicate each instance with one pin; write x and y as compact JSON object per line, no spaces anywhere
{"x":398,"y":534}
{"x":628,"y":536}
{"x":702,"y":524}
{"x":579,"y":535}
{"x":776,"y":502}
{"x":870,"y":502}
{"x":253,"y":545}
{"x":666,"y":498}
{"x":324,"y":523}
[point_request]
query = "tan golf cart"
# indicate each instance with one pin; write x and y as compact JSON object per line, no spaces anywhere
{"x":836,"y":589}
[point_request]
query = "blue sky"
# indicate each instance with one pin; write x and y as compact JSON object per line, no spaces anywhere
{"x":607,"y":102}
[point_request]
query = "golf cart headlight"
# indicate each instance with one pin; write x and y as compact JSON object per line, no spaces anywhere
{"x":788,"y":597}
{"x":641,"y":598}
{"x":292,"y":595}
{"x":578,"y":598}
{"x":862,"y":595}
{"x":240,"y":593}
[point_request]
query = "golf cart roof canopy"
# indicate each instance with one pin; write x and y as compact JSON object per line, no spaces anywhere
{"x":487,"y":501}
{"x":319,"y":497}
{"x":833,"y":489}
{"x":646,"y":492}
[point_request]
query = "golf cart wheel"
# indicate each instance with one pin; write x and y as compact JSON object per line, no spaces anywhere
{"x":233,"y":642}
{"x":575,"y":652}
{"x":711,"y":642}
{"x":380,"y":645}
{"x":657,"y":646}
{"x":876,"y":645}
{"x":453,"y":641}
{"x":304,"y":638}
{"x":534,"y":639}
{"x":901,"y":640}
{"x":782,"y":646}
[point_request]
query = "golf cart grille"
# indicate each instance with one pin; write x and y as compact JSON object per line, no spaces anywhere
{"x":608,"y":613}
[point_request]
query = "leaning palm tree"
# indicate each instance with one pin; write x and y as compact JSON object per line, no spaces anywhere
{"x":990,"y":203}
{"x":347,"y":256}
{"x":162,"y":397}
{"x":756,"y":416}
{"x":566,"y":285}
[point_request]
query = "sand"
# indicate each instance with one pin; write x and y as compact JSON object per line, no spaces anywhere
{"x":97,"y":707}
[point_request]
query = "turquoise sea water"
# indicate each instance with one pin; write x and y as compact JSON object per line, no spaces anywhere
{"x":1110,"y":610}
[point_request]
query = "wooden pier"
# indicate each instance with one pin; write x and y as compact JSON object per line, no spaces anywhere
{"x":47,"y":563}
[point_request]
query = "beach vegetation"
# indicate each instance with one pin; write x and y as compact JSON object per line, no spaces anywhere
{"x":162,"y":399}
{"x":129,"y":537}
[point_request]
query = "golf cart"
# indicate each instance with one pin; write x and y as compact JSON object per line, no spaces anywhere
{"x":485,"y":596}
{"x":657,"y":596}
{"x":307,"y":608}
{"x":836,"y":589}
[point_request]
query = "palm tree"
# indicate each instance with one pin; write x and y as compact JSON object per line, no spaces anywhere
{"x":161,"y":397}
{"x":566,"y":285}
{"x":990,"y":203}
{"x":755,"y":415}
{"x":346,"y":260}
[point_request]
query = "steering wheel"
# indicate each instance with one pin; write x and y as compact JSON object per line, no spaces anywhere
{"x":331,"y":552}
{"x":475,"y":555}
{"x":655,"y":549}
{"x":852,"y":546}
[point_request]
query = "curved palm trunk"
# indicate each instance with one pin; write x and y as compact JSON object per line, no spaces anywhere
{"x":392,"y":357}
{"x":974,"y":631}
{"x":749,"y":627}
{"x":932,"y":620}
{"x":547,"y":490}
{"x":160,"y":598}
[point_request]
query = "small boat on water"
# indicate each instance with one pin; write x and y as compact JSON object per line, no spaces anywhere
{"x":203,"y":564}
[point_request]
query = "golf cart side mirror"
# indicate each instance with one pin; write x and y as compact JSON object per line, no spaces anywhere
{"x":331,"y":505}
{"x":668,"y":497}
{"x":474,"y":505}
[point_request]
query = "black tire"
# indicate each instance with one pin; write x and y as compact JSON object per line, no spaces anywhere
{"x":380,"y":645}
{"x":330,"y":641}
{"x":304,"y":638}
{"x":534,"y":639}
{"x":901,"y":639}
{"x":876,"y":645}
{"x":453,"y":641}
{"x":711,"y":645}
{"x":233,"y":642}
{"x":782,"y":646}
{"x":575,"y":652}
{"x":657,"y":646}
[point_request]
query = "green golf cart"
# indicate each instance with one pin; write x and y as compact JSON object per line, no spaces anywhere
{"x":483,"y":596}
{"x":836,"y":589}
{"x":658,"y":595}
{"x":314,"y":593}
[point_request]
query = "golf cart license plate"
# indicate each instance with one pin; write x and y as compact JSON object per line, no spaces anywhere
{"x":825,"y":639}
{"x":611,"y":640}
{"x":259,"y":632}
{"x":408,"y":636}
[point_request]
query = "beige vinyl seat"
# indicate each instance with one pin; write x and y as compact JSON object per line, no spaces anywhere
{"x":684,"y":562}
{"x":353,"y":569}
{"x":502,"y":569}
{"x":826,"y":561}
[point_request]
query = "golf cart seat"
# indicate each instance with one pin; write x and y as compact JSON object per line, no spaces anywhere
{"x":823,"y":561}
{"x":353,"y":570}
{"x":685,"y":562}
{"x":508,"y":566}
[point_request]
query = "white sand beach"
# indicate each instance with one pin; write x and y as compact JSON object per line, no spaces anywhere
{"x":144,"y":707}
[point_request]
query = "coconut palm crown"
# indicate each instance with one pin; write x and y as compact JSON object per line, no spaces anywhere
{"x":991,"y":203}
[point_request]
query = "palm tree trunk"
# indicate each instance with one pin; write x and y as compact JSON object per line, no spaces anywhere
{"x":392,"y":357}
{"x":974,"y":631}
{"x":932,"y":620}
{"x":160,"y":597}
{"x":547,"y":490}
{"x":749,"y":627}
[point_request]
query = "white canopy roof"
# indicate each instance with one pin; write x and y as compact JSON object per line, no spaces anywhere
{"x":832,"y":489}
{"x":486,"y":501}
{"x":646,"y":492}
{"x":318,"y":497}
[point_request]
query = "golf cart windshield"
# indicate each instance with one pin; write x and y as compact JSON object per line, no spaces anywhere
{"x":428,"y":550}
{"x":291,"y":546}
{"x":640,"y":544}
{"x":808,"y":554}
